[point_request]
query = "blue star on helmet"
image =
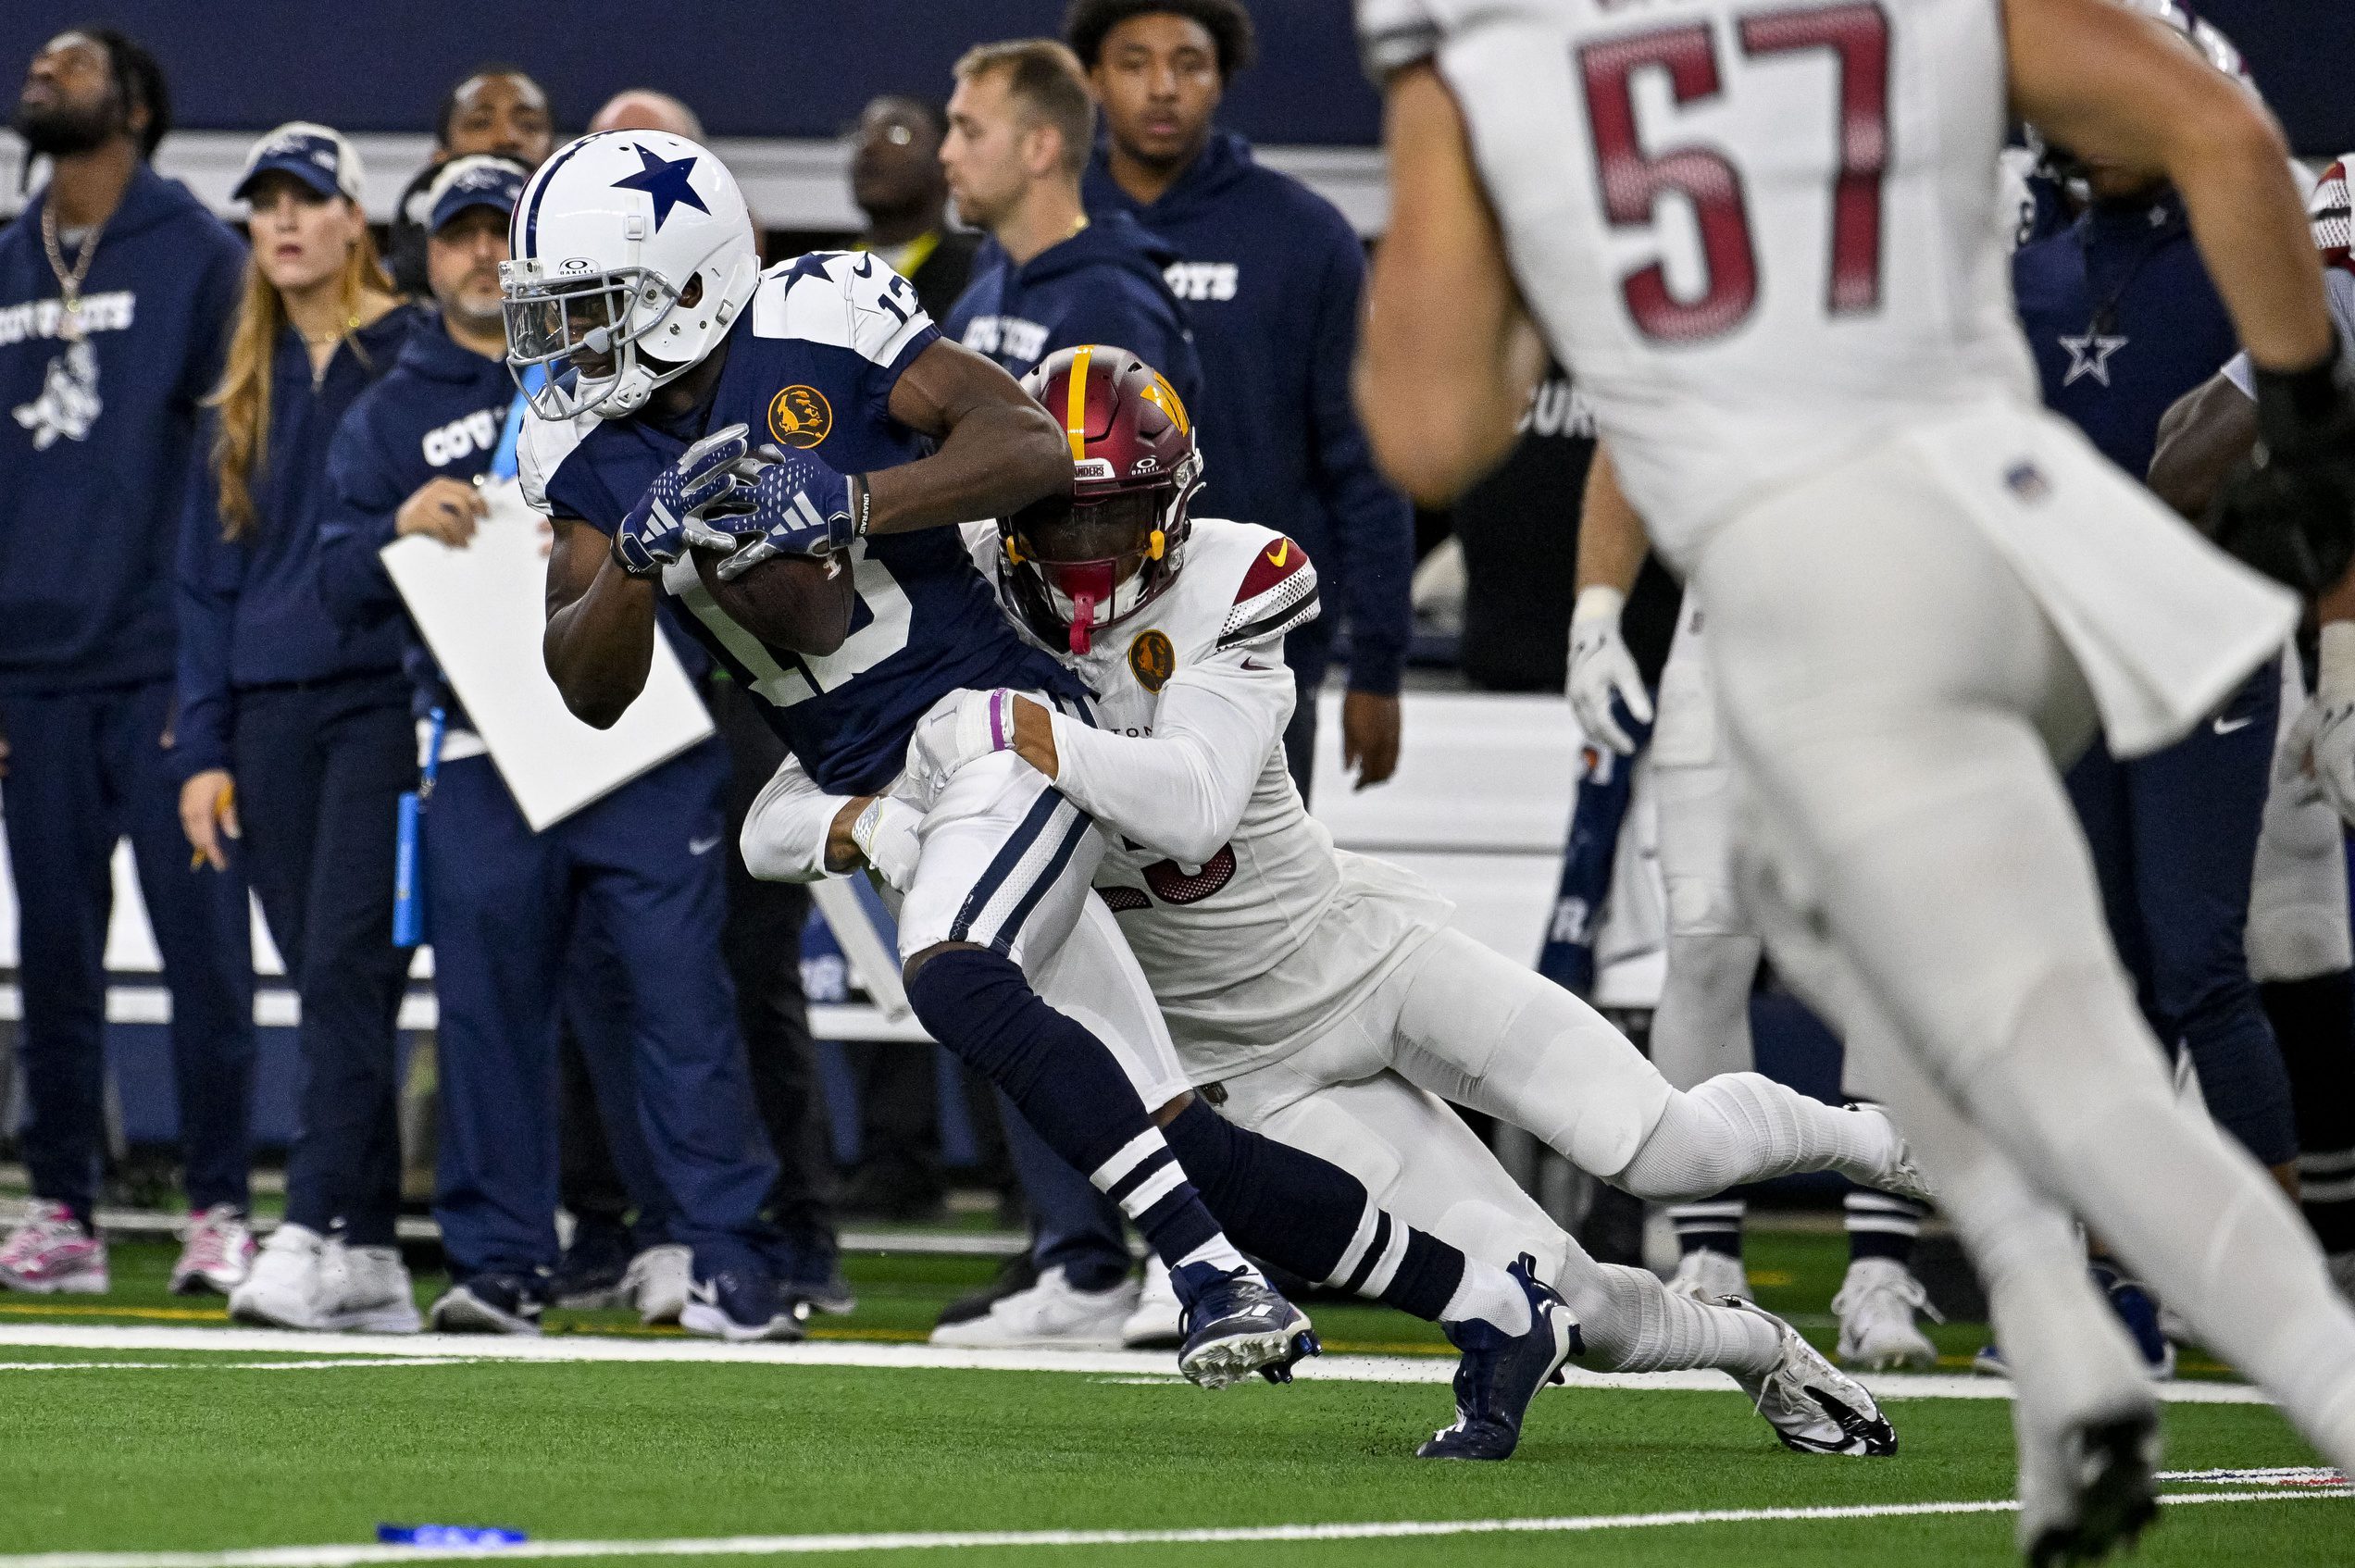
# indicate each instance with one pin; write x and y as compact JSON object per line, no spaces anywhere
{"x":665,"y":181}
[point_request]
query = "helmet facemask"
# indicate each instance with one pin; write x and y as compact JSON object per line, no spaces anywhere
{"x":554,"y":321}
{"x":1081,"y":564}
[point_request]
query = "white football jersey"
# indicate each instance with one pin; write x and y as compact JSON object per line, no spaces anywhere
{"x":1263,"y":941}
{"x":1761,"y":232}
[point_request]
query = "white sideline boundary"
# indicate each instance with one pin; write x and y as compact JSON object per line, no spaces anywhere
{"x":910,"y":1540}
{"x":1145,"y":1365}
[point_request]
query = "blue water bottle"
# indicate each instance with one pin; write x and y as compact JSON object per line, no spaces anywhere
{"x":409,"y":867}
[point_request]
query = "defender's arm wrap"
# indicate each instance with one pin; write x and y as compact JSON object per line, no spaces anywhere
{"x":1183,"y":789}
{"x":785,"y":832}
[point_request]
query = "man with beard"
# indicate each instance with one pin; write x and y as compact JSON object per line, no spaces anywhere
{"x":116,"y":291}
{"x":496,"y":109}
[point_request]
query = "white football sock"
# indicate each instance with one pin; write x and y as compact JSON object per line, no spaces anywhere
{"x":1631,"y":1323}
{"x":1740,"y":1127}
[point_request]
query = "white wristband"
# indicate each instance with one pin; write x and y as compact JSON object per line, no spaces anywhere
{"x":2334,"y":679}
{"x":1597,"y":601}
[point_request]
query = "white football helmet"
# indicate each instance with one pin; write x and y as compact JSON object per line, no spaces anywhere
{"x":609,"y":239}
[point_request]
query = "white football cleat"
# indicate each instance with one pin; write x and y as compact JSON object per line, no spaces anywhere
{"x":657,"y":1281}
{"x":1900,"y":1177}
{"x":281,"y":1289}
{"x":1813,"y":1406}
{"x":1158,"y":1324}
{"x":1052,"y":1315}
{"x":1877,"y":1303}
{"x":1709,"y":1274}
{"x":2087,"y":1486}
{"x":366,"y":1290}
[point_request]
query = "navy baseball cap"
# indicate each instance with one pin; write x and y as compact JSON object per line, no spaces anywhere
{"x":318,"y":156}
{"x":478,"y":181}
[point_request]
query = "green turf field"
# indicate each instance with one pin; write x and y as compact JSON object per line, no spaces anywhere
{"x":141,"y":1447}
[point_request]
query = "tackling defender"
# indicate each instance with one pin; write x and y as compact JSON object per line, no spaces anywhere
{"x":1921,"y":588}
{"x":1314,"y":995}
{"x":628,"y":243}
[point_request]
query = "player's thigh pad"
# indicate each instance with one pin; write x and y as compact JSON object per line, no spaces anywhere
{"x":1416,"y":1158}
{"x":1092,"y":977}
{"x":1005,"y":863}
{"x":1477,"y":1028}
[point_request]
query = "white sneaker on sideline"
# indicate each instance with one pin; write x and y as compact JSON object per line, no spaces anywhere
{"x":366,"y":1290}
{"x":1708,"y":1274}
{"x":1877,"y":1303}
{"x":1051,"y":1315}
{"x":1158,"y":1324}
{"x":217,"y":1254}
{"x":657,"y":1281}
{"x":281,"y":1289}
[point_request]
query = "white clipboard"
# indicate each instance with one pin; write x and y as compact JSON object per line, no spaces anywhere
{"x":481,"y":610}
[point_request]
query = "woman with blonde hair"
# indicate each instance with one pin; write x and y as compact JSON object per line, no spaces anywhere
{"x":294,"y":736}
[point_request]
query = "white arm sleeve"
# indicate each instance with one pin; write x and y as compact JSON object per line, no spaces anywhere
{"x":1183,"y":789}
{"x":784,"y":838}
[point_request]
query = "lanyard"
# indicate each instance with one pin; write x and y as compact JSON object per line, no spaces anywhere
{"x":503,"y":459}
{"x":438,"y":725}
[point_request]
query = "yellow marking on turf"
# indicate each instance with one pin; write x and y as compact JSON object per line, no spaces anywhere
{"x":145,"y":1315}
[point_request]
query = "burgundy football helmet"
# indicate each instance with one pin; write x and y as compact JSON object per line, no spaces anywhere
{"x":1079,"y":563}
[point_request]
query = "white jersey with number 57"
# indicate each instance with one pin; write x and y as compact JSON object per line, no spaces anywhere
{"x":1760,"y":232}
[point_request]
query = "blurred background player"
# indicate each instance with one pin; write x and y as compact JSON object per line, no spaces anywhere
{"x":1700,"y":1027}
{"x":129,"y":286}
{"x":1904,"y":619}
{"x":293,"y":739}
{"x":494,"y":110}
{"x":503,"y":903}
{"x":898,"y":184}
{"x":1051,"y":278}
{"x":1270,"y":277}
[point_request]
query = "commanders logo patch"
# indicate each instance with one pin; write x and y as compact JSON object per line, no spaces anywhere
{"x":799,"y":416}
{"x":1151,"y":660}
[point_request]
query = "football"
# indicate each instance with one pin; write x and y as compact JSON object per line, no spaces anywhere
{"x":794,"y":601}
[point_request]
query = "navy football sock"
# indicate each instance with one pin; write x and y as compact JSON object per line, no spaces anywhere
{"x":2312,"y":1018}
{"x":1304,"y":1213}
{"x":1069,"y":1088}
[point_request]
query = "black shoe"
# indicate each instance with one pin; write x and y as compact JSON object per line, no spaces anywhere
{"x":740,"y":1306}
{"x":589,"y":1273}
{"x":1502,"y":1372}
{"x":1015,"y":1274}
{"x":490,"y":1303}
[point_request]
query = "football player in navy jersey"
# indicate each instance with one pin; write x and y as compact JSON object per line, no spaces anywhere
{"x":634,"y":284}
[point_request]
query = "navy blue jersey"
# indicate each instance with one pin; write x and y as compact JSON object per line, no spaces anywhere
{"x":2124,"y":320}
{"x":811,"y":365}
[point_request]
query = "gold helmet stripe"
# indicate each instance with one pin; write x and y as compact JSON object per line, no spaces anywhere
{"x":1075,"y":411}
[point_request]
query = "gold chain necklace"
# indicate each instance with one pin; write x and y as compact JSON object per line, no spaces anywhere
{"x":68,"y":282}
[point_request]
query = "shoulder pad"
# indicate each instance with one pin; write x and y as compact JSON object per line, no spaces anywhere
{"x":840,"y":299}
{"x":2334,"y":225}
{"x":1277,"y":593}
{"x":540,"y":449}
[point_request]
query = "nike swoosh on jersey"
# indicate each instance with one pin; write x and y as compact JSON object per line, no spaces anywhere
{"x":2225,"y":726}
{"x":704,"y":846}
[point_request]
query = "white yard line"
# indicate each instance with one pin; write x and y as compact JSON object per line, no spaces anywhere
{"x":228,"y":1365}
{"x":1145,"y":1364}
{"x":908,"y":1541}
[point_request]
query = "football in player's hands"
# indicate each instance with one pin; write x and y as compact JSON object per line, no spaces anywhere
{"x":800,"y":603}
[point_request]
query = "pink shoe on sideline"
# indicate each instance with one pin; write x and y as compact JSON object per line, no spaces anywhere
{"x":49,"y":1253}
{"x":218,"y":1253}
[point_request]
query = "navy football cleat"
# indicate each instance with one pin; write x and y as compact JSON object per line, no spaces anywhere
{"x":1502,"y":1372}
{"x":740,"y":1306}
{"x":1237,"y":1323}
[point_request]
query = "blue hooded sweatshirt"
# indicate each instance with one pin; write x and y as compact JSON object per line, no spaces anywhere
{"x":1270,"y":280}
{"x":250,"y":612}
{"x":2124,"y":320}
{"x":94,"y":444}
{"x":1102,"y":285}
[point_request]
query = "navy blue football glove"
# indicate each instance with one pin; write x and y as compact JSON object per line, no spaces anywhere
{"x":783,"y":503}
{"x":657,"y":531}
